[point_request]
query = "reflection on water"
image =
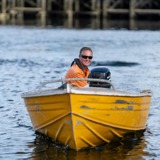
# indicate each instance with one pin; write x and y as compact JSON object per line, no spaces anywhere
{"x":131,"y":148}
{"x":91,"y":23}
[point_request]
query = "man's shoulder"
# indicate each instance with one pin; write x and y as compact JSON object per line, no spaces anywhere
{"x":74,"y":71}
{"x":75,"y":68}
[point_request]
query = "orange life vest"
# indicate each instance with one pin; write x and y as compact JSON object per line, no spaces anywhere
{"x":76,"y":72}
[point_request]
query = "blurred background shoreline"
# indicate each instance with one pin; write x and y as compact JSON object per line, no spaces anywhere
{"x":95,"y":14}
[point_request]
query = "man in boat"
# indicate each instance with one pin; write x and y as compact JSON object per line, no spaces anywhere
{"x":79,"y":67}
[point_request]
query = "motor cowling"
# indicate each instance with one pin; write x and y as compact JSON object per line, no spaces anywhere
{"x":100,"y":73}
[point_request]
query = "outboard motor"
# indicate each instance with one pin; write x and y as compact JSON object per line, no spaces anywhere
{"x":100,"y":73}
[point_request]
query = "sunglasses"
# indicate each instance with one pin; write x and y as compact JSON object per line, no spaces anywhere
{"x":85,"y":57}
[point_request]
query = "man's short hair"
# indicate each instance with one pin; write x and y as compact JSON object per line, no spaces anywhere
{"x":84,"y":49}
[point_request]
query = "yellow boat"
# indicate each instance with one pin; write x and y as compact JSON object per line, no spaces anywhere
{"x":86,"y":117}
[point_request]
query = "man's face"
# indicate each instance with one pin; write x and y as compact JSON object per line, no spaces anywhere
{"x":86,"y":57}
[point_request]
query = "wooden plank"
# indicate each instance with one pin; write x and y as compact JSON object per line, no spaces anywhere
{"x":115,"y":4}
{"x":110,"y":10}
{"x":27,"y":9}
{"x":147,"y":11}
{"x":94,"y":13}
{"x":31,"y":2}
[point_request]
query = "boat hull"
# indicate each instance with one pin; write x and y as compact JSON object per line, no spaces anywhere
{"x":81,"y":120}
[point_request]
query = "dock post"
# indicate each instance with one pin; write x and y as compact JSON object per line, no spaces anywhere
{"x":99,"y":8}
{"x":4,"y":15}
{"x":77,"y":6}
{"x":42,"y":4}
{"x":105,"y":6}
{"x":20,"y":14}
{"x":93,"y":4}
{"x":49,"y":5}
{"x":68,"y":8}
{"x":13,"y":12}
{"x":132,"y":8}
{"x":96,"y":6}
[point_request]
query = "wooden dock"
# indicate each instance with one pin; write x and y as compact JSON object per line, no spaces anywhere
{"x":18,"y":10}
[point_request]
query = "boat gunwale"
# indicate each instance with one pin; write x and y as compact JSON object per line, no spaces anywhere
{"x":87,"y":91}
{"x":80,"y":90}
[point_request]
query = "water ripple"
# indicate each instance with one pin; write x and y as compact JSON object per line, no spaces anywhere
{"x":115,"y":63}
{"x":26,"y":60}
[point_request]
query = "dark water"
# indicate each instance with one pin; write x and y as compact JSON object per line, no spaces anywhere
{"x":31,"y":55}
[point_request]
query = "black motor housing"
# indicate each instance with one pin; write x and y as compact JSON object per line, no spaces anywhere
{"x":100,"y":73}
